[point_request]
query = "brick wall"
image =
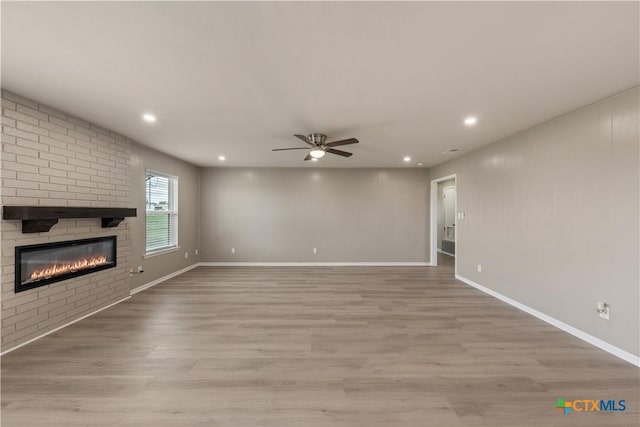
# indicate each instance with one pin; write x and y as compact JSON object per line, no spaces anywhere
{"x":52,"y":159}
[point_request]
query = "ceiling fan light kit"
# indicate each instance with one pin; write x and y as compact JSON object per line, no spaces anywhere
{"x":318,"y":153}
{"x":318,"y":146}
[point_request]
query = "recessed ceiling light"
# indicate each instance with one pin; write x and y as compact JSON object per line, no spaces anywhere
{"x":149,"y":118}
{"x":452,"y":150}
{"x":222,"y":158}
{"x":470,"y":121}
{"x":407,"y":159}
{"x":420,"y":164}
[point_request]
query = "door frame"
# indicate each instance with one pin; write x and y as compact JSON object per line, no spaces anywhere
{"x":434,"y":221}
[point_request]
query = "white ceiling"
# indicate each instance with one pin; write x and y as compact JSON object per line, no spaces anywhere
{"x":238,"y":79}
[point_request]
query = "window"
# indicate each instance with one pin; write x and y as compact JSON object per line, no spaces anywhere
{"x":162,"y":212}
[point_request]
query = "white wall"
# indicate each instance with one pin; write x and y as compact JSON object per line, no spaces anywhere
{"x":349,"y":215}
{"x":552,"y":216}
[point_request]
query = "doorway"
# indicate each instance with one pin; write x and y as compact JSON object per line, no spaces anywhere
{"x":444,"y":234}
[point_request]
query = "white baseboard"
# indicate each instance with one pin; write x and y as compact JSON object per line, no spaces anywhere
{"x":63,"y":326}
{"x":609,"y":348}
{"x":314,"y":264}
{"x":163,"y":278}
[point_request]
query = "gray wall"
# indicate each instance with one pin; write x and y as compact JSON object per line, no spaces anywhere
{"x":349,"y":215}
{"x":143,"y":158}
{"x":552,"y":216}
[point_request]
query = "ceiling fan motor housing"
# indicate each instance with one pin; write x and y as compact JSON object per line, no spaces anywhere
{"x":318,"y":138}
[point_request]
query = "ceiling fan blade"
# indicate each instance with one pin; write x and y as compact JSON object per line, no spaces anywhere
{"x":343,"y":142}
{"x":339,"y":152}
{"x":284,"y":149}
{"x":305,"y":139}
{"x":308,"y":157}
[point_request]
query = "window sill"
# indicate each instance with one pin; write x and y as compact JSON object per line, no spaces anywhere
{"x":161,"y":252}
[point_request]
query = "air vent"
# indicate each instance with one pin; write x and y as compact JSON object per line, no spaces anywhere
{"x":452,"y":150}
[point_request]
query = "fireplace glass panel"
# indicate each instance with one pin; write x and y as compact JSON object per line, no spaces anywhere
{"x":39,"y":265}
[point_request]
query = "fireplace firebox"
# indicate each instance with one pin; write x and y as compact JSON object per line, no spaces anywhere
{"x":39,"y":265}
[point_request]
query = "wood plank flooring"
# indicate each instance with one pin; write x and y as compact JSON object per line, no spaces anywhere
{"x":317,"y":346}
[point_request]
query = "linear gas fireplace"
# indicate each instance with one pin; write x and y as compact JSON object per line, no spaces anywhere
{"x":39,"y":265}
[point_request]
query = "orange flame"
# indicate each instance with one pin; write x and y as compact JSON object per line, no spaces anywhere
{"x":58,"y":269}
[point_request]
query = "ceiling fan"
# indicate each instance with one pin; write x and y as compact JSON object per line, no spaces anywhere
{"x":318,"y":146}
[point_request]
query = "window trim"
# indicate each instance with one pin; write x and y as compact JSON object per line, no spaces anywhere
{"x":174,"y":183}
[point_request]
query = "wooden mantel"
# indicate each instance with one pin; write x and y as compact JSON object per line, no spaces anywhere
{"x":36,"y":219}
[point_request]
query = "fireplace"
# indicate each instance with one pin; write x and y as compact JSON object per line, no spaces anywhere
{"x":39,"y":265}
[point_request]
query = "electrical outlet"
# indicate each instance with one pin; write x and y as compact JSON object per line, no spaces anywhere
{"x":315,"y":251}
{"x":233,"y":250}
{"x":603,"y":309}
{"x":186,"y":254}
{"x":479,"y":268}
{"x":196,"y":252}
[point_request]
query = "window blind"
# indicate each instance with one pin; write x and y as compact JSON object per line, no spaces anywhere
{"x":161,"y":212}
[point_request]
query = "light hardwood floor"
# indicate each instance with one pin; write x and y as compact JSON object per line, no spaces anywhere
{"x":343,"y":346}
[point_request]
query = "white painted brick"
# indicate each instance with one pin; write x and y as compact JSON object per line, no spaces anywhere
{"x":53,"y":187}
{"x":20,"y":133}
{"x":99,"y":167}
{"x":8,"y":122}
{"x":92,"y":170}
{"x":32,"y":177}
{"x":31,"y":128}
{"x":86,"y":131}
{"x":8,"y":174}
{"x":11,"y":183}
{"x":62,"y":180}
{"x":8,"y":139}
{"x":31,"y":193}
{"x":53,"y":173}
{"x":21,"y":167}
{"x":65,"y":195}
{"x":78,"y":162}
{"x":62,"y":137}
{"x":16,"y":115}
{"x":83,"y":196}
{"x":20,"y":299}
{"x":61,"y":122}
{"x":53,"y":142}
{"x":53,"y":321}
{"x":54,"y":157}
{"x":62,"y":166}
{"x":86,"y":157}
{"x":19,"y":336}
{"x":10,"y":157}
{"x":14,"y":200}
{"x":62,"y":151}
{"x":76,"y":175}
{"x":86,"y":171}
{"x":79,"y":122}
{"x":52,"y":112}
{"x":9,"y":105}
{"x":51,"y":126}
{"x":31,"y":144}
{"x":33,"y":161}
{"x":10,"y":96}
{"x":33,"y":112}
